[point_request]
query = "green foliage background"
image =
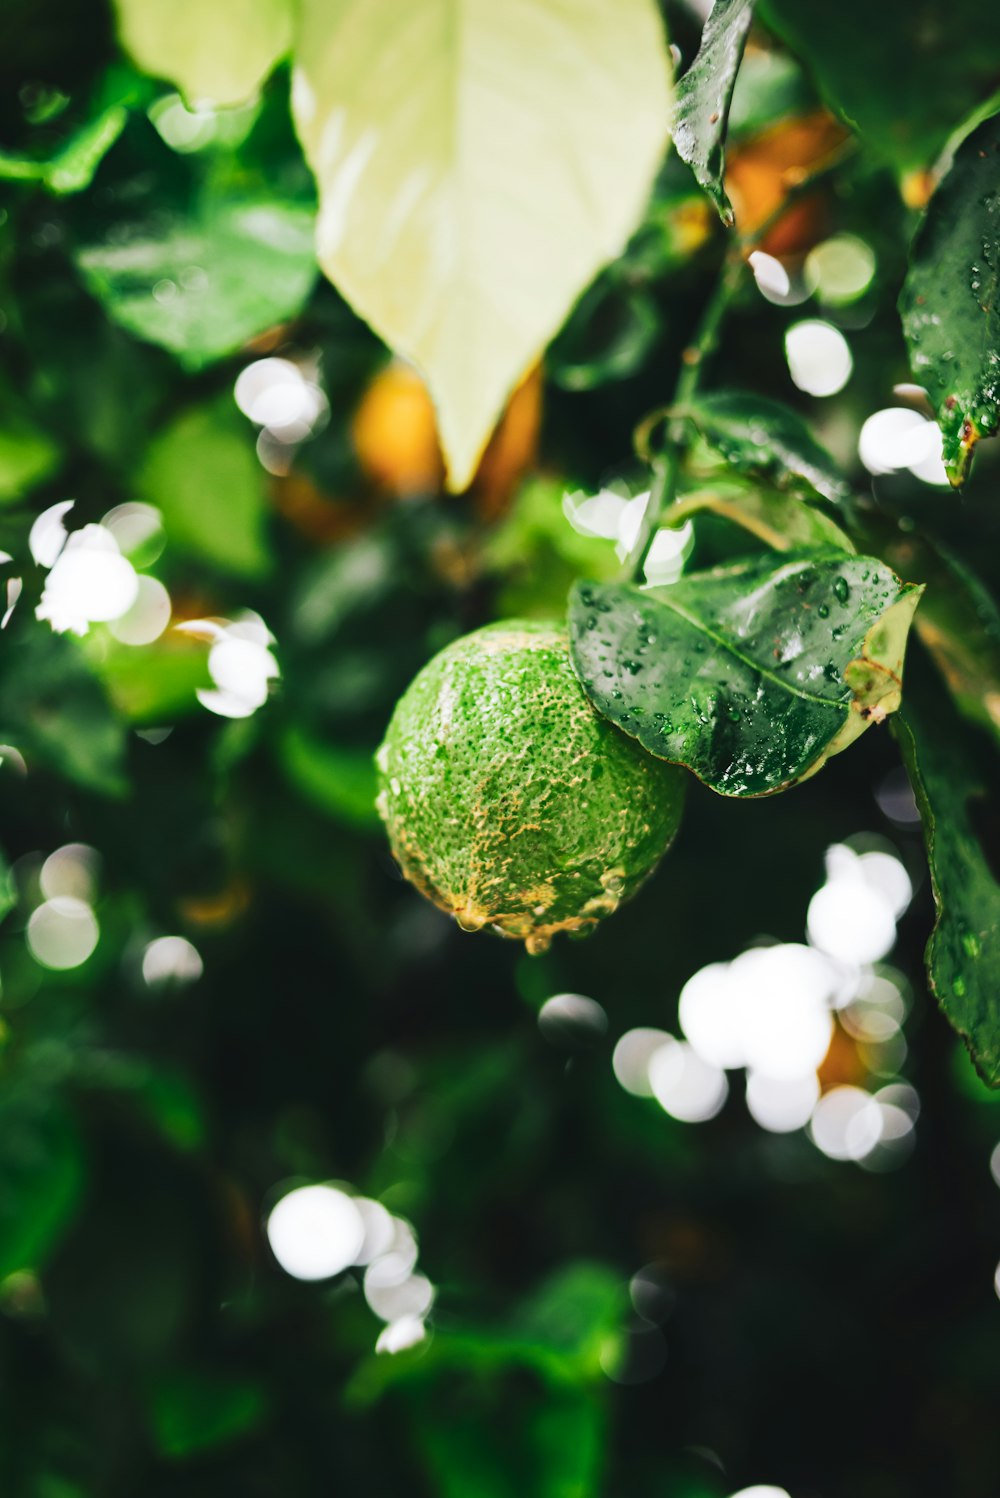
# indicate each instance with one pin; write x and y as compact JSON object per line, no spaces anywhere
{"x":824,"y":1328}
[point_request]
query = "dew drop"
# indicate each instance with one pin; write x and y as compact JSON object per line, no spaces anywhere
{"x":470,"y":918}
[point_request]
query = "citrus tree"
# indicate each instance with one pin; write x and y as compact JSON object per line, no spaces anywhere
{"x":555,"y":437}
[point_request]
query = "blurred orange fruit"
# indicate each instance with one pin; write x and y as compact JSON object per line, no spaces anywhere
{"x":395,"y":433}
{"x":762,"y":171}
{"x":395,"y":437}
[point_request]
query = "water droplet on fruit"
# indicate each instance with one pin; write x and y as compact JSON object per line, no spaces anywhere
{"x":537,"y":943}
{"x":841,"y":589}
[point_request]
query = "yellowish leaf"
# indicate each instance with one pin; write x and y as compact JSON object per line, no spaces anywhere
{"x":478,"y":161}
{"x":215,"y":51}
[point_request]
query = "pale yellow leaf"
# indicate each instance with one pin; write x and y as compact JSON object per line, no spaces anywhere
{"x":215,"y":51}
{"x":478,"y":161}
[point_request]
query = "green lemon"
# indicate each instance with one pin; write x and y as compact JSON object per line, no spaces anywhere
{"x":508,"y":800}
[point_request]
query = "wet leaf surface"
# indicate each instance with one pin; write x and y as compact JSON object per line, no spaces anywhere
{"x":762,"y":437}
{"x":704,"y":95}
{"x":958,"y":620}
{"x":952,"y":775}
{"x":752,"y":675}
{"x":950,"y":304}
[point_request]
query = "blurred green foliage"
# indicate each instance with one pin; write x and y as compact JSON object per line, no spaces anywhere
{"x":802,"y":1321}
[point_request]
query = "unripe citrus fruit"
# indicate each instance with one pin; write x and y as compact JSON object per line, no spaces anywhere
{"x":508,"y":800}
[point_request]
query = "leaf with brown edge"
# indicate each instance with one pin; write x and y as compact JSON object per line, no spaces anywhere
{"x":753,"y":675}
{"x":950,"y":302}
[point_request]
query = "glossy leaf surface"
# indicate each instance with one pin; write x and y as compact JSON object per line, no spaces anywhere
{"x":761,"y":437}
{"x":950,"y":303}
{"x":752,"y":675}
{"x":958,"y":620}
{"x":704,"y":95}
{"x":952,"y":781}
{"x":782,"y":521}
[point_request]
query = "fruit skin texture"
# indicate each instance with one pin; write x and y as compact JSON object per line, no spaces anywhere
{"x":508,"y":800}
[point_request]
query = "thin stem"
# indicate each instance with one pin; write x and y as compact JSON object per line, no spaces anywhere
{"x":693,"y":360}
{"x":667,"y":467}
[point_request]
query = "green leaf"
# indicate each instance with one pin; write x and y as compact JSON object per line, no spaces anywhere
{"x":197,"y":1411}
{"x":553,"y":1448}
{"x":704,"y":95}
{"x":958,"y":620}
{"x":902,"y":77}
{"x":781,"y":521}
{"x":577,"y":1312}
{"x":203,"y":475}
{"x":462,"y":219}
{"x":951,"y":778}
{"x":950,"y":303}
{"x":200,"y":255}
{"x":215,"y":51}
{"x":53,"y":709}
{"x":72,"y":167}
{"x":69,"y":167}
{"x":340,"y":781}
{"x":41,"y":1177}
{"x":153,"y":684}
{"x":763,"y":438}
{"x":27,"y":455}
{"x":535,"y":555}
{"x":754,"y":675}
{"x":610,"y":334}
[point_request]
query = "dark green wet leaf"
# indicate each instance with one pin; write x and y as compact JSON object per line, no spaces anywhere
{"x":704,"y":95}
{"x":950,"y":303}
{"x":202,"y":474}
{"x":198,"y":255}
{"x":953,"y":777}
{"x":752,"y":675}
{"x":762,"y":437}
{"x":903,"y":76}
{"x":958,"y":620}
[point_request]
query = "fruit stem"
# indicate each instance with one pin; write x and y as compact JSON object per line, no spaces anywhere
{"x":666,"y":467}
{"x":693,"y":360}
